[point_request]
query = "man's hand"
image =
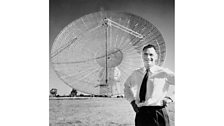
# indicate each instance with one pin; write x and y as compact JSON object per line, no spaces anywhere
{"x":166,"y":101}
{"x":134,"y":106}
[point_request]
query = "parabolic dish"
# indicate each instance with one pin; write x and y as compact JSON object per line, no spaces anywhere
{"x":96,"y":53}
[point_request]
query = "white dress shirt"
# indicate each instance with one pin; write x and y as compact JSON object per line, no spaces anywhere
{"x":158,"y":83}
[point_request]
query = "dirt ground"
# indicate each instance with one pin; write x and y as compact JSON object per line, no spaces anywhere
{"x":94,"y":112}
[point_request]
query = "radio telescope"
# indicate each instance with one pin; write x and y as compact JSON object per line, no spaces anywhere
{"x":96,"y":53}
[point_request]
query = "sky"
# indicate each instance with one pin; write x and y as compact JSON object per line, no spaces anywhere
{"x":159,"y":12}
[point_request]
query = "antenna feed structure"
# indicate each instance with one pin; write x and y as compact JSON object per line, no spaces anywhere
{"x":106,"y":22}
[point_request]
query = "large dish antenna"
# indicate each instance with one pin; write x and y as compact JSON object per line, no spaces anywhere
{"x":96,"y":53}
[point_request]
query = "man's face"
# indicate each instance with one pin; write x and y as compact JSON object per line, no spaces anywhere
{"x":149,"y":57}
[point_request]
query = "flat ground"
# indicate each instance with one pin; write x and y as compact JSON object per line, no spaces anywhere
{"x":94,"y":112}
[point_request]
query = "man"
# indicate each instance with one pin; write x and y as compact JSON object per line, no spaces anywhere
{"x":146,"y":90}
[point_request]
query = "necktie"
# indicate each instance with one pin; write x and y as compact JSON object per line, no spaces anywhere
{"x":143,"y":87}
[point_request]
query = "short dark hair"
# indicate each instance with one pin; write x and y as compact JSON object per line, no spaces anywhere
{"x":148,"y":46}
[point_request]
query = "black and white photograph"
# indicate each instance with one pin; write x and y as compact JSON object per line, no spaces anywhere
{"x":111,"y":63}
